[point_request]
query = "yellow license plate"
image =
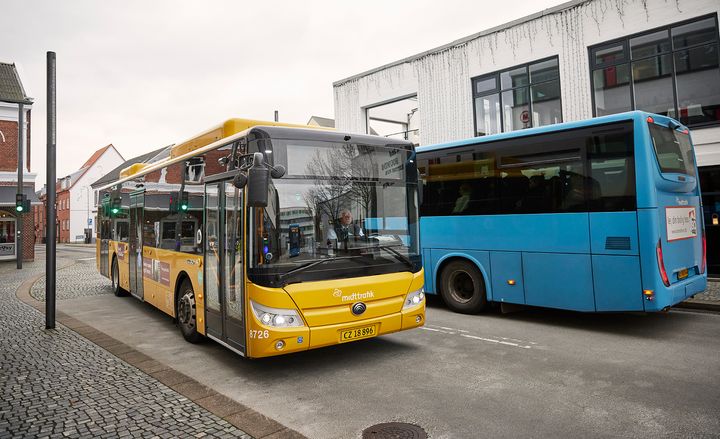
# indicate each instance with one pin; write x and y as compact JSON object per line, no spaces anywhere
{"x":358,"y":333}
{"x":682,"y":274}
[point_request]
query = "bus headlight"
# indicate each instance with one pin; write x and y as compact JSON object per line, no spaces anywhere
{"x":279,"y":318}
{"x":414,"y":298}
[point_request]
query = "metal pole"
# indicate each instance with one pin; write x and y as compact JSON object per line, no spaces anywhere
{"x":277,"y":116}
{"x":19,"y":221}
{"x":50,"y":212}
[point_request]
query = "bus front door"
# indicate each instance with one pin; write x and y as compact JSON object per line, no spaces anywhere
{"x":224,"y":294}
{"x":135,"y":239}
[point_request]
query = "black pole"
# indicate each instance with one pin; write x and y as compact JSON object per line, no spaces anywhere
{"x":50,"y":211}
{"x":19,"y":221}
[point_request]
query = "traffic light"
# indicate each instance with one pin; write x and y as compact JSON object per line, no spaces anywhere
{"x":184,"y":203}
{"x":22,"y":204}
{"x":115,"y":204}
{"x":179,"y":202}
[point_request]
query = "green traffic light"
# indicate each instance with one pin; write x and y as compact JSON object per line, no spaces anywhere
{"x":184,"y":206}
{"x":19,"y":208}
{"x":115,"y":210}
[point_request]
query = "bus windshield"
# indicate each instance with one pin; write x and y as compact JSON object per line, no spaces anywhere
{"x":349,"y":206}
{"x":673,"y":150}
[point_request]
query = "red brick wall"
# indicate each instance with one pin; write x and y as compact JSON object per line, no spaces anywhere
{"x":8,"y":148}
{"x":63,"y":215}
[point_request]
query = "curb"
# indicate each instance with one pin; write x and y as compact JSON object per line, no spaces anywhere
{"x":700,"y":305}
{"x":246,"y":419}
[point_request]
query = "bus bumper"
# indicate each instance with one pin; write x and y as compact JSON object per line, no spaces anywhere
{"x":315,"y":337}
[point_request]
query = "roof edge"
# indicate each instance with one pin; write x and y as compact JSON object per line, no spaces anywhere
{"x":464,"y":40}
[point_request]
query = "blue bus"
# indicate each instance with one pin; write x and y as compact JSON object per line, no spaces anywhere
{"x":597,"y":215}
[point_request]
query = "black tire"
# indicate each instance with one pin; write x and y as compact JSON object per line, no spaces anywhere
{"x":462,"y":287}
{"x":115,"y":279}
{"x":187,"y":313}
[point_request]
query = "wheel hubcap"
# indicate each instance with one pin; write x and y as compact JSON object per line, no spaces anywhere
{"x":462,"y":287}
{"x":186,"y":310}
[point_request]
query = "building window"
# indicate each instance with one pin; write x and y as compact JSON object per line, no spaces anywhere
{"x":518,"y":98}
{"x":671,"y":71}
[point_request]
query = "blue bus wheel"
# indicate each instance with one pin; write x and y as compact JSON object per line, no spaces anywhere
{"x":462,"y":287}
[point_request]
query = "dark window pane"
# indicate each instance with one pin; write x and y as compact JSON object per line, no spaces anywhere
{"x":673,"y":150}
{"x":516,"y":114}
{"x":611,"y":187}
{"x":539,"y":182}
{"x":609,"y":54}
{"x":483,"y":85}
{"x":487,"y":114}
{"x":648,"y":45}
{"x":546,"y":103}
{"x":544,"y":71}
{"x":652,"y":84}
{"x":513,"y":78}
{"x":612,"y":90}
{"x":698,"y":84}
{"x":698,"y":32}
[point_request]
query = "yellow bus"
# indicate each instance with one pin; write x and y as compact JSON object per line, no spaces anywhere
{"x":268,"y":238}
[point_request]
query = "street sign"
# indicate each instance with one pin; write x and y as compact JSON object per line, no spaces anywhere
{"x":89,"y":221}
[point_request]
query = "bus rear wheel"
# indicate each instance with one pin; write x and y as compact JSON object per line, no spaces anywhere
{"x":187,"y":313}
{"x":463,"y":288}
{"x":115,"y":279}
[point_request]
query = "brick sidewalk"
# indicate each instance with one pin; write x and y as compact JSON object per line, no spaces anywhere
{"x":58,"y":384}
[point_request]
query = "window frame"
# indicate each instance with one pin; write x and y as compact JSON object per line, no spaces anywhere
{"x":499,"y":90}
{"x":501,"y":148}
{"x":629,"y":60}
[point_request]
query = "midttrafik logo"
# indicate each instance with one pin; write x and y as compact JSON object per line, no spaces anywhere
{"x":354,"y":296}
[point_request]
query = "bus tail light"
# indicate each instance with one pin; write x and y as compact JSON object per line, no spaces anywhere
{"x":703,"y":262}
{"x":661,"y":264}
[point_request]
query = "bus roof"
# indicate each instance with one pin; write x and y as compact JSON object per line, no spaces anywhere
{"x":271,"y":129}
{"x":629,"y":115}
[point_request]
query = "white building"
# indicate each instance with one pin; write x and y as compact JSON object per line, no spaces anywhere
{"x":76,"y":198}
{"x":578,"y":60}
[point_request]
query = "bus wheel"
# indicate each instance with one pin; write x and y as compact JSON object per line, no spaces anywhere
{"x":187,"y":313}
{"x":115,"y":279}
{"x":463,"y":288}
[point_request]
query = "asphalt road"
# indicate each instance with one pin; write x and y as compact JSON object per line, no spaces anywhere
{"x":537,"y":373}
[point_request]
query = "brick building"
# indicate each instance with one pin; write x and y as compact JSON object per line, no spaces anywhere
{"x":12,"y":94}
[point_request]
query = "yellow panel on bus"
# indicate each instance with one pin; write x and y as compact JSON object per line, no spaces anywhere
{"x":228,"y":128}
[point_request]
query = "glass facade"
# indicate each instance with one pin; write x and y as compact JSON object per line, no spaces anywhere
{"x":672,"y":71}
{"x":517,"y":98}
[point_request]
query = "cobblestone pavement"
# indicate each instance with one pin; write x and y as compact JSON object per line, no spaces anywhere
{"x":58,"y":384}
{"x":711,"y":294}
{"x":84,"y":280}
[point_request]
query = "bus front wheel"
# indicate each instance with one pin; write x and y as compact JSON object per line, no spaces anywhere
{"x":187,"y":313}
{"x":463,"y":288}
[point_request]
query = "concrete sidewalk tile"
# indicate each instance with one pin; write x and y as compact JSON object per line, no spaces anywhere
{"x":254,"y":423}
{"x":193,"y":390}
{"x":285,"y":434}
{"x":151,"y":366}
{"x":170,"y":377}
{"x":220,"y":405}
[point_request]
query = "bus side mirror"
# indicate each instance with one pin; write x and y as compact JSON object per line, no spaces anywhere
{"x":258,"y":181}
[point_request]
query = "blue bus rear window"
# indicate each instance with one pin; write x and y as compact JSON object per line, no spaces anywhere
{"x":673,"y":150}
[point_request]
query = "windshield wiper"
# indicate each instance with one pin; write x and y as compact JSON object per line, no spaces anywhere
{"x":399,"y":256}
{"x":310,"y":265}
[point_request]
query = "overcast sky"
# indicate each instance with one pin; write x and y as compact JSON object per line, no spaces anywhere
{"x":144,"y":74}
